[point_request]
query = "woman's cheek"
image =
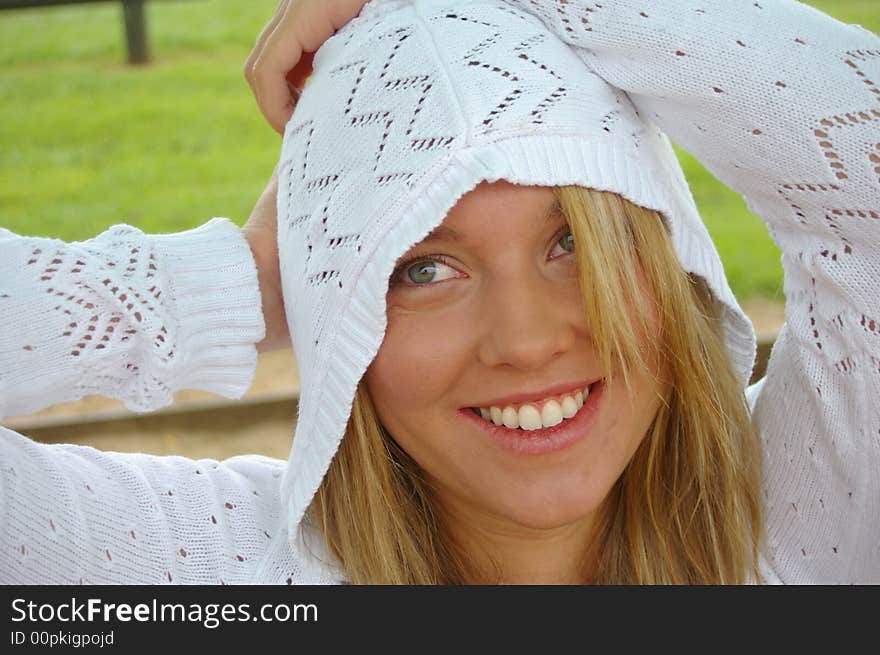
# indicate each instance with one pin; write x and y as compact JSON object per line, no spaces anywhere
{"x":421,"y":355}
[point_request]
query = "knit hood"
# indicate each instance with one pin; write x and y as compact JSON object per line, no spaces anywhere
{"x":409,"y":107}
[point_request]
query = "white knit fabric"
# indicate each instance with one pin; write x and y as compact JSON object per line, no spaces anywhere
{"x":120,"y":314}
{"x":134,"y":317}
{"x":410,"y":106}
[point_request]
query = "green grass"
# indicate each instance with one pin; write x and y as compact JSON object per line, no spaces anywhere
{"x":86,"y":141}
{"x":89,"y":141}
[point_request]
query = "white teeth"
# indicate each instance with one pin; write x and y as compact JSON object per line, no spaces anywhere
{"x":569,"y":406}
{"x":529,"y":418}
{"x":551,"y":414}
{"x":510,"y":418}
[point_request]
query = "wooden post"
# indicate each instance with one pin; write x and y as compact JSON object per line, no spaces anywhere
{"x":136,"y":31}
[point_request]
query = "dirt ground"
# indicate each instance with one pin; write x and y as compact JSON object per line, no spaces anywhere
{"x":203,"y":425}
{"x":767,"y":315}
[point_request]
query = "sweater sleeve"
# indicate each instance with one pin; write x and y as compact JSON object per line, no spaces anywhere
{"x":128,"y":316}
{"x":782,"y":104}
{"x":75,"y":515}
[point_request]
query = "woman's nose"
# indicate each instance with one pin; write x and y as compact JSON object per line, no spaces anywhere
{"x":528,"y":322}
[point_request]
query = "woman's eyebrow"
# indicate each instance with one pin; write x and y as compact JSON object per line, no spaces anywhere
{"x":443,"y":233}
{"x":555,"y":211}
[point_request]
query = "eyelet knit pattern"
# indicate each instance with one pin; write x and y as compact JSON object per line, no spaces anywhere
{"x":777,"y":100}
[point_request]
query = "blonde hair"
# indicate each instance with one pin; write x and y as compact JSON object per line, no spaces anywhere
{"x":686,"y":509}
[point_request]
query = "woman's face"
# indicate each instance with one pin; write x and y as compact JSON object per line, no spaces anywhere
{"x":486,"y":314}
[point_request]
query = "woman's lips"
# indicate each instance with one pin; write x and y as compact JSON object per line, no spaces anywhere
{"x":539,"y":397}
{"x":545,"y":439}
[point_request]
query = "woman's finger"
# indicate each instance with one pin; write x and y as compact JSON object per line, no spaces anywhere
{"x":259,"y":45}
{"x":304,"y":23}
{"x":303,"y":26}
{"x":298,"y":75}
{"x":261,"y":39}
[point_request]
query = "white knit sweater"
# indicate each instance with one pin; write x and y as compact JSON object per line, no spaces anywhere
{"x":776,"y":99}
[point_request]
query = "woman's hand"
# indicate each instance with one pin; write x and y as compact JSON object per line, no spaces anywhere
{"x":261,"y":233}
{"x":281,"y":60}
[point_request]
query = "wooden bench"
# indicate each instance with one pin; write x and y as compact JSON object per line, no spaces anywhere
{"x":132,"y":14}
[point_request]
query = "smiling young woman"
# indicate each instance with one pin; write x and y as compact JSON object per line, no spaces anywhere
{"x":520,"y":357}
{"x":531,"y":289}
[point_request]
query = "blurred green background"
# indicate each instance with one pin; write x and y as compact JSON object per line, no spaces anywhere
{"x":87,"y":141}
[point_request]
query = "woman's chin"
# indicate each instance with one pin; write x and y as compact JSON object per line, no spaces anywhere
{"x":549,"y":511}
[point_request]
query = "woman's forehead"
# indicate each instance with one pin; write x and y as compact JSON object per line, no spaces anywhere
{"x":493,"y":206}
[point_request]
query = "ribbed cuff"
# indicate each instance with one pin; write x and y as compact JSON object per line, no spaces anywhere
{"x":212,"y":277}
